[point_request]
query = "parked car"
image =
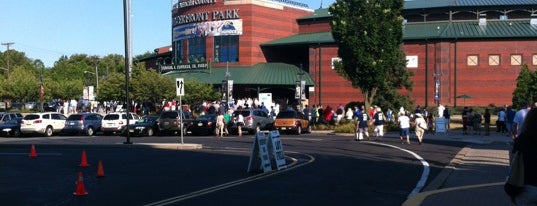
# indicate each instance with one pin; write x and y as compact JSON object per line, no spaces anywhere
{"x":11,"y":128}
{"x":83,"y":123}
{"x":254,"y":121}
{"x":169,"y":122}
{"x":115,"y":122}
{"x":203,"y":125}
{"x":292,"y":121}
{"x":146,"y":126}
{"x":6,"y":116}
{"x":46,"y":123}
{"x":30,"y":105}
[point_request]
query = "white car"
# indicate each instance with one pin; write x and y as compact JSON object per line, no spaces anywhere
{"x":46,"y":123}
{"x":115,"y":122}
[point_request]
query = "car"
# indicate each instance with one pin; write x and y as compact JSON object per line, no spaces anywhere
{"x":46,"y":123}
{"x":30,"y":105}
{"x":292,"y":121}
{"x":11,"y":128}
{"x":115,"y":122}
{"x":6,"y":116}
{"x":255,"y":120}
{"x":169,"y":122}
{"x":83,"y":123}
{"x":146,"y":126}
{"x":203,"y":125}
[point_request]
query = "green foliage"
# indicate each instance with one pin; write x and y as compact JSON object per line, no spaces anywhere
{"x":150,"y":86}
{"x":112,"y":88}
{"x":369,"y":35}
{"x":196,"y":92}
{"x":526,"y":87}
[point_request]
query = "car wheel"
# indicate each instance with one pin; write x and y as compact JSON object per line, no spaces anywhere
{"x":16,"y":133}
{"x":150,"y":132}
{"x":90,"y":131}
{"x":48,"y":131}
{"x":299,"y":129}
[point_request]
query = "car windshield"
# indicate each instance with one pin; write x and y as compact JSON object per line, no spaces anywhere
{"x":244,"y":113}
{"x":206,"y":118}
{"x":286,"y":114}
{"x":169,"y":115}
{"x":74,"y":117}
{"x":13,"y":121}
{"x":31,"y":117}
{"x":111,"y":117}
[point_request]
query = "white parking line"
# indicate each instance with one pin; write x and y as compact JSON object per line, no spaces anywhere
{"x":424,"y":174}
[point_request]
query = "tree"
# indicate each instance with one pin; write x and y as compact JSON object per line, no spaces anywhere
{"x":112,"y":88}
{"x":369,"y":35}
{"x":150,"y":86}
{"x":23,"y":86}
{"x":526,"y":85}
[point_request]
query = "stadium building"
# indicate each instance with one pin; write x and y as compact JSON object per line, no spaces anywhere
{"x":462,"y":52}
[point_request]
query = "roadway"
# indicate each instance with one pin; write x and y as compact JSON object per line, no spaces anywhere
{"x":322,"y":169}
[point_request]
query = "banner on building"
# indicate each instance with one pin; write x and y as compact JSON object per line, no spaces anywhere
{"x":208,"y":28}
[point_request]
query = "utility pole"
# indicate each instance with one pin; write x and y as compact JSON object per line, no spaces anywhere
{"x":7,"y":58}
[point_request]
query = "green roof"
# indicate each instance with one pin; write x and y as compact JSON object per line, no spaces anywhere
{"x":317,"y":14}
{"x":309,"y":38}
{"x":425,"y":4}
{"x":432,"y":30}
{"x":259,"y":74}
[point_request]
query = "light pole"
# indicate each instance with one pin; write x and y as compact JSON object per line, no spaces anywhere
{"x":96,"y":76}
{"x":8,"y":44}
{"x":299,"y":87}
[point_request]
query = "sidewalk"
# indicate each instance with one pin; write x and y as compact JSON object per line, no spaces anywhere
{"x":474,"y":177}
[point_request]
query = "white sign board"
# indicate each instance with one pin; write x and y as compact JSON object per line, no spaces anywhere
{"x":260,"y":158}
{"x":277,"y":149}
{"x":180,"y":86}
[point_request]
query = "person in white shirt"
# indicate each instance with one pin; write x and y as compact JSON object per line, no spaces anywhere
{"x":404,"y":125}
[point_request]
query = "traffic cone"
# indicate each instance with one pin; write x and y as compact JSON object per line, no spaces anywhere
{"x":80,"y":189}
{"x":84,"y":161}
{"x":33,"y":153}
{"x":100,"y":170}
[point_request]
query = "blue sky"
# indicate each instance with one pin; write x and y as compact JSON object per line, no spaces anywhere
{"x":48,"y":29}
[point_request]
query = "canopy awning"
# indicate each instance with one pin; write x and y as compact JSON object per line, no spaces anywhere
{"x":262,"y":74}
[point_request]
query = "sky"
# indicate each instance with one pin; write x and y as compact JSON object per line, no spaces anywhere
{"x":46,"y":30}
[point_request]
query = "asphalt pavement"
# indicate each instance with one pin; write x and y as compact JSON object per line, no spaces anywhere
{"x":474,"y":177}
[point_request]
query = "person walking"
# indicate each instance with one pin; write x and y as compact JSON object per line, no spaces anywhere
{"x":430,"y":123}
{"x":220,"y":125}
{"x":421,"y":127}
{"x":518,"y":120}
{"x":486,"y":117}
{"x":362,"y":127}
{"x":379,"y":120}
{"x":404,"y":125}
{"x":227,"y":119}
{"x":240,"y":123}
{"x":526,"y":143}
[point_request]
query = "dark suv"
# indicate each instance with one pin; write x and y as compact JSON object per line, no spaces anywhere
{"x":254,"y":121}
{"x":6,"y":116}
{"x":84,"y":123}
{"x":170,"y":123}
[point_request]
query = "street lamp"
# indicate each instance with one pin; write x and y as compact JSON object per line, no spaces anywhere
{"x":96,"y":76}
{"x":300,"y":87}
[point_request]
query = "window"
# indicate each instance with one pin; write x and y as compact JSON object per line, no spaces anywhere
{"x":334,"y":60}
{"x":226,"y":48}
{"x":534,"y":59}
{"x":472,"y":60}
{"x":178,"y":52}
{"x":516,"y":59}
{"x":196,"y":50}
{"x":494,"y":59}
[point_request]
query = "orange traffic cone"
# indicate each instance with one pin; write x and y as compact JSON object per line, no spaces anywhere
{"x":33,"y":153}
{"x":100,"y":170}
{"x":84,"y":161}
{"x":80,"y":190}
